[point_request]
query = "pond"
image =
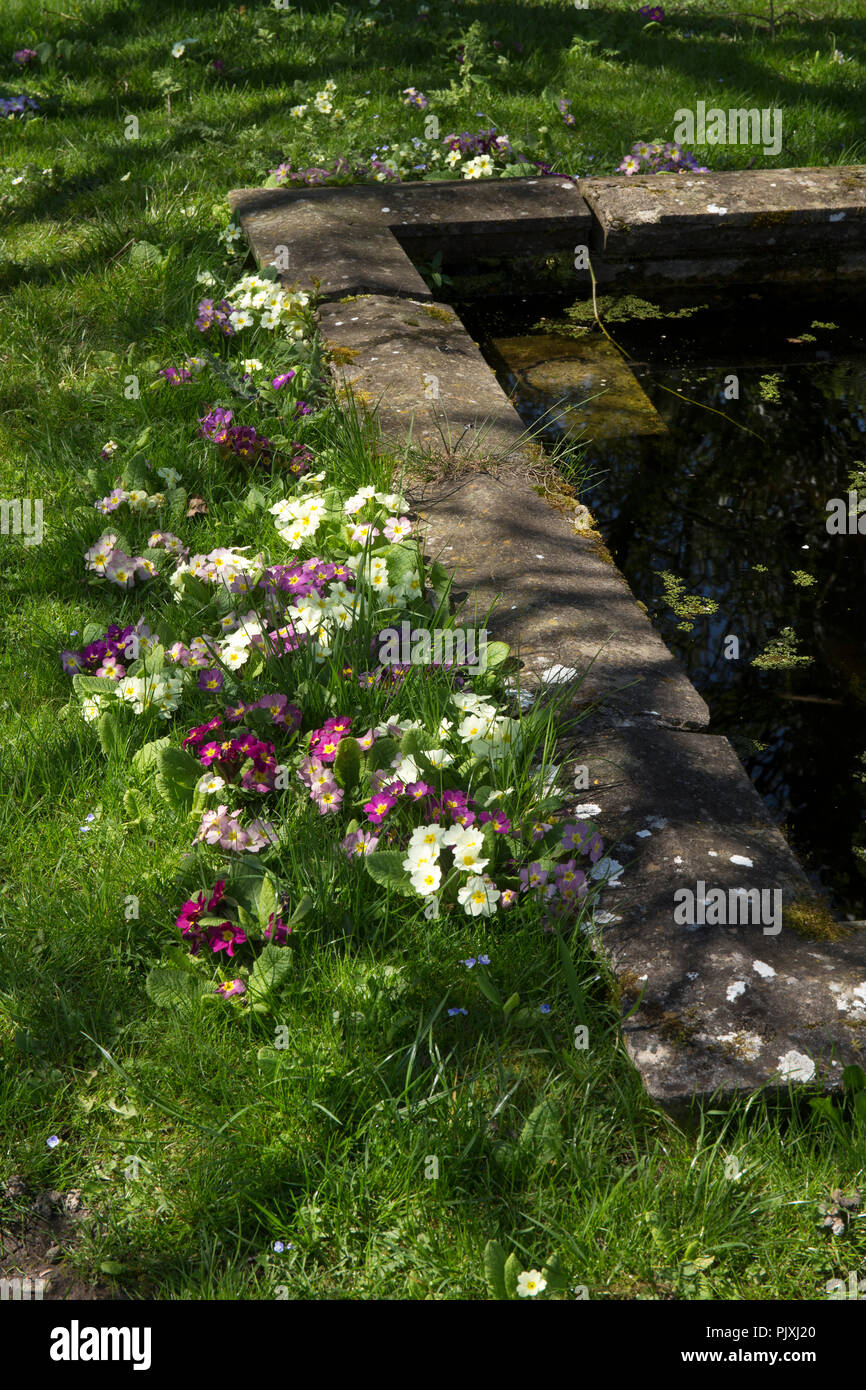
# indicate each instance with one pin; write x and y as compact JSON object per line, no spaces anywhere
{"x":729,"y":510}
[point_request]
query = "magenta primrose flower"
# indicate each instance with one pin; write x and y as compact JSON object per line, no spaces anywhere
{"x":231,"y":989}
{"x":277,"y":931}
{"x":378,"y":808}
{"x":225,"y":937}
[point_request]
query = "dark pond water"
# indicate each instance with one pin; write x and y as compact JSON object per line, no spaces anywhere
{"x":741,"y":520}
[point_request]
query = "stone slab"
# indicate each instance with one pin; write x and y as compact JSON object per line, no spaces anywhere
{"x":337,"y":248}
{"x":417,"y":365}
{"x":721,"y":1007}
{"x":779,"y":211}
{"x":348,"y":238}
{"x":563,"y":601}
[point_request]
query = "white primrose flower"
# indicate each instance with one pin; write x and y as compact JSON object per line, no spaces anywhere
{"x":478,"y":897}
{"x":408,"y":771}
{"x":530,"y":1283}
{"x":131,"y":689}
{"x":393,"y":501}
{"x":356,"y":501}
{"x":426,"y":880}
{"x":476,"y":726}
{"x":427,"y":839}
{"x":468,"y":848}
{"x":210,"y":784}
{"x":471,"y":703}
{"x":439,"y":757}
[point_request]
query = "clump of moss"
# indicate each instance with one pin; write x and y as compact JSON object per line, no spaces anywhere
{"x":341,"y":354}
{"x":685,"y":606}
{"x":802,"y":579}
{"x":435,"y":312}
{"x":810,"y":917}
{"x":780,"y":653}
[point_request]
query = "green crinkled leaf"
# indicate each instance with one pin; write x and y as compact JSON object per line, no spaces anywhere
{"x":440,"y":581}
{"x":266,"y":902}
{"x":303,"y":909}
{"x":554,"y":1275}
{"x":171,"y":988}
{"x":134,"y":806}
{"x":269,"y":971}
{"x":511,"y":1274}
{"x":111,"y":735}
{"x":386,"y":867}
{"x":246,"y":920}
{"x":93,"y":632}
{"x":94,"y":685}
{"x":177,"y":773}
{"x":195,"y":588}
{"x":416,"y":741}
{"x":254,"y":500}
{"x":496,"y":653}
{"x":382,"y":754}
{"x":153,"y":662}
{"x":494,"y":1269}
{"x":144,"y":253}
{"x":488,"y":988}
{"x":270,"y":1060}
{"x":245,"y":884}
{"x":853,"y":1079}
{"x":541,"y":1136}
{"x":144,"y":761}
{"x":403,"y":561}
{"x":347,"y":764}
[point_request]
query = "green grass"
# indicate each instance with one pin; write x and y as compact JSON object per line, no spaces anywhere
{"x":193,"y":1155}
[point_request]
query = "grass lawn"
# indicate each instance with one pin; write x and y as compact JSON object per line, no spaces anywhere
{"x":371,"y":1103}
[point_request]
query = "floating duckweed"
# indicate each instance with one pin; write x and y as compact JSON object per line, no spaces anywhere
{"x":685,"y":606}
{"x":780,"y":653}
{"x":768,"y":388}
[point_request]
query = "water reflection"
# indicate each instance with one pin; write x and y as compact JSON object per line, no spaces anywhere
{"x":739,"y":518}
